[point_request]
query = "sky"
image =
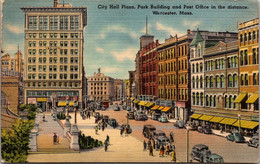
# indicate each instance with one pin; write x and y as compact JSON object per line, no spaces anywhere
{"x":112,"y":35}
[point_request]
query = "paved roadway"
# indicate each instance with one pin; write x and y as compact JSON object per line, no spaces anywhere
{"x":230,"y":151}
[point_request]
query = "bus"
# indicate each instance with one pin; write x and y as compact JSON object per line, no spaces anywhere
{"x":105,"y":104}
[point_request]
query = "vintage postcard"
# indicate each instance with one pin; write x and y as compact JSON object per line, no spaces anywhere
{"x":130,"y":81}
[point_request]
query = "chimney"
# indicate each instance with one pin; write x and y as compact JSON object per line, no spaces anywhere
{"x":99,"y":70}
{"x":55,"y":3}
{"x":188,"y":31}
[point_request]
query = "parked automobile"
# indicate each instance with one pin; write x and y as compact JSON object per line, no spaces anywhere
{"x":158,"y":133}
{"x":191,"y":125}
{"x":179,"y":124}
{"x":97,"y":115}
{"x":113,"y":123}
{"x":214,"y":158}
{"x":254,"y":142}
{"x":206,"y":129}
{"x":155,"y":116}
{"x":106,"y":118}
{"x":163,"y":119}
{"x":140,"y":117}
{"x":117,"y":108}
{"x":162,"y":140}
{"x":130,"y":115}
{"x":128,"y":127}
{"x":200,"y":152}
{"x":148,"y":131}
{"x":235,"y":136}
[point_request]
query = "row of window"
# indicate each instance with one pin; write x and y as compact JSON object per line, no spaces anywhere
{"x":53,"y":22}
{"x":169,"y":67}
{"x":210,"y":65}
{"x":98,"y":93}
{"x":99,"y":83}
{"x":52,"y":84}
{"x":197,"y":68}
{"x":98,"y":79}
{"x":245,"y":79}
{"x":245,"y":60}
{"x":32,"y":68}
{"x":53,"y":52}
{"x":172,"y":94}
{"x":54,"y":35}
{"x":149,"y":68}
{"x":53,"y":76}
{"x":248,"y":36}
{"x":53,"y":60}
{"x":98,"y":88}
{"x":219,"y":81}
{"x":53,"y":43}
{"x":148,"y":90}
{"x":149,"y":79}
{"x":171,"y":53}
{"x":149,"y":56}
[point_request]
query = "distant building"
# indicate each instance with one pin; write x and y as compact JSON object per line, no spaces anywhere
{"x":14,"y":64}
{"x":127,"y":88}
{"x":119,"y":88}
{"x":100,"y":87}
{"x":131,"y":83}
{"x":54,"y":39}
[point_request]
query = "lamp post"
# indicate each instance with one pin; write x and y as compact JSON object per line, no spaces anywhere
{"x":75,"y":108}
{"x":67,"y":105}
{"x":188,"y":133}
{"x":239,"y":119}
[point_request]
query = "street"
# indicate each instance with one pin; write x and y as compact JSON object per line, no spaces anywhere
{"x":130,"y":148}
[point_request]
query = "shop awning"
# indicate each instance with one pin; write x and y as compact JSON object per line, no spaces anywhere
{"x":161,"y":107}
{"x":155,"y":107}
{"x":64,"y":103}
{"x":136,"y":101}
{"x":246,"y":124}
{"x":166,"y":109}
{"x":240,"y":97}
{"x":216,"y":119}
{"x":205,"y":117}
{"x":132,"y":98}
{"x":252,"y":99}
{"x":195,"y":116}
{"x":149,"y":104}
{"x":228,"y":121}
{"x":142,"y":103}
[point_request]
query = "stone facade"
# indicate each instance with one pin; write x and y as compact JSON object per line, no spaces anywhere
{"x":119,"y":88}
{"x":100,"y":87}
{"x":15,"y":64}
{"x":54,"y":39}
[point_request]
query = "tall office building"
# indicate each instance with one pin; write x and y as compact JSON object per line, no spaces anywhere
{"x":54,"y":39}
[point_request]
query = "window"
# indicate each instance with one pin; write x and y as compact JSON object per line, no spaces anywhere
{"x":222,"y":81}
{"x":201,"y":67}
{"x":235,"y":80}
{"x":236,"y":61}
{"x":197,"y":82}
{"x":255,"y":79}
{"x":198,"y":99}
{"x":207,"y":82}
{"x":226,"y":101}
{"x":214,"y":101}
{"x":43,"y":23}
{"x":254,"y":57}
{"x":74,"y":22}
{"x":241,"y":38}
{"x":241,"y":58}
{"x":246,"y":59}
{"x":245,"y":37}
{"x":211,"y":82}
{"x":230,"y":82}
{"x":193,"y":98}
{"x":207,"y":100}
{"x":201,"y":82}
{"x":64,"y":22}
{"x":217,"y":81}
{"x":201,"y":99}
{"x":193,"y":68}
{"x":242,"y":79}
{"x":246,"y":80}
{"x":249,"y":36}
{"x":53,"y":22}
{"x":254,"y":36}
{"x":197,"y":67}
{"x":32,"y":22}
{"x":193,"y":82}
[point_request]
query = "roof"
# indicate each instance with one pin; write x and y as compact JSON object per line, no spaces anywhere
{"x":201,"y":146}
{"x":147,"y":35}
{"x":198,"y":38}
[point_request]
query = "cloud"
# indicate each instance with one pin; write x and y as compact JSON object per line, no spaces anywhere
{"x":116,"y":28}
{"x":129,"y":53}
{"x":9,"y":47}
{"x":14,"y":29}
{"x":100,"y":50}
{"x":169,"y":30}
{"x":110,"y":69}
{"x":191,"y":24}
{"x":143,"y":31}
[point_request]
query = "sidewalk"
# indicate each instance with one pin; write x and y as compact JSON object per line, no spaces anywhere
{"x":224,"y":134}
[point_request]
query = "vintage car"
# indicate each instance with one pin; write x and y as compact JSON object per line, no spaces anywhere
{"x":161,"y":140}
{"x":117,"y":108}
{"x":158,"y":133}
{"x":148,"y":131}
{"x":155,"y":116}
{"x":179,"y":124}
{"x":163,"y":119}
{"x":254,"y":142}
{"x":130,"y":115}
{"x":236,"y":136}
{"x":206,"y":129}
{"x":141,"y":117}
{"x":106,"y":119}
{"x":200,"y":152}
{"x":112,"y":122}
{"x":214,"y":158}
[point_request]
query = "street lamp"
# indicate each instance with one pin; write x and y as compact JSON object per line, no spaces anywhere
{"x":239,"y":119}
{"x":67,"y":105}
{"x":75,"y":108}
{"x":188,"y":133}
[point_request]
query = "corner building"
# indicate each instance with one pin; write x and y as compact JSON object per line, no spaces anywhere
{"x":54,"y":39}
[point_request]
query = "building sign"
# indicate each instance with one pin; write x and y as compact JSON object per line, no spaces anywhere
{"x":32,"y":101}
{"x":41,"y":99}
{"x":181,"y":104}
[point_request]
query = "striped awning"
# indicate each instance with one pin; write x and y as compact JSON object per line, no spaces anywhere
{"x":246,"y":124}
{"x":142,"y":103}
{"x":228,"y":121}
{"x":155,"y":107}
{"x":205,"y":117}
{"x":195,"y":116}
{"x":252,"y":99}
{"x":240,"y":97}
{"x":136,"y":101}
{"x":216,"y":119}
{"x":149,"y":104}
{"x":64,"y":103}
{"x":132,"y":98}
{"x":161,"y":107}
{"x":166,"y":109}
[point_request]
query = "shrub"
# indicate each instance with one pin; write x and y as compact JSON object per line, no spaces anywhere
{"x":87,"y":142}
{"x":61,"y":116}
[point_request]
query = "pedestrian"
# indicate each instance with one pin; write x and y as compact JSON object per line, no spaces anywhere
{"x":43,"y":118}
{"x":126,"y":131}
{"x":173,"y":156}
{"x":107,"y":139}
{"x":171,"y":137}
{"x":106,"y":145}
{"x":153,"y":143}
{"x":103,"y":127}
{"x":96,"y":129}
{"x":121,"y":131}
{"x":167,"y":149}
{"x":58,"y":139}
{"x":151,"y":150}
{"x":144,"y":145}
{"x":54,"y":138}
{"x":161,"y":151}
{"x":149,"y":143}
